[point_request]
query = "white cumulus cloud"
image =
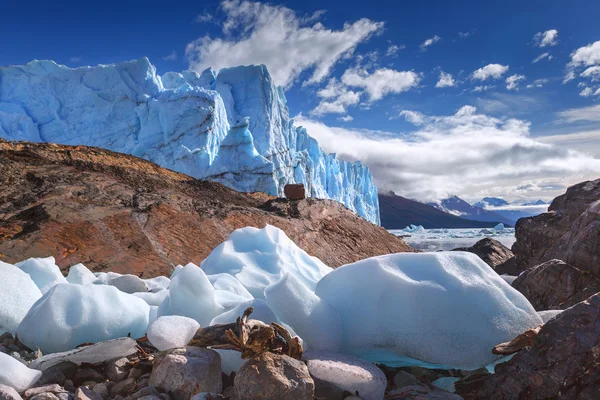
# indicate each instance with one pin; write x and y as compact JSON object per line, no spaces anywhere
{"x":541,"y":57}
{"x":288,"y":44}
{"x":512,"y":82}
{"x":493,"y":71}
{"x":588,"y":114}
{"x":445,"y":80}
{"x":547,"y":38}
{"x":429,"y":42}
{"x":380,"y":82}
{"x":335,"y":99}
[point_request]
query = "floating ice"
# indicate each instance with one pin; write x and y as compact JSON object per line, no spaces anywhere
{"x":446,"y":383}
{"x":79,"y":274}
{"x":499,"y":227}
{"x":17,"y":294}
{"x":449,"y":308}
{"x":191,"y":295}
{"x":414,"y":228}
{"x":261,"y":312}
{"x":191,"y":123}
{"x":43,"y":271}
{"x":17,"y":375}
{"x":315,"y":321}
{"x":95,"y":353}
{"x":259,"y":257}
{"x":69,"y":315}
{"x":172,"y":331}
{"x":348,"y":373}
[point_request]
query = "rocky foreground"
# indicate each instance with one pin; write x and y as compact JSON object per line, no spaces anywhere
{"x":115,"y":212}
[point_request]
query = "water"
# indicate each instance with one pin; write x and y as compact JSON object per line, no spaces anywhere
{"x":448,"y":239}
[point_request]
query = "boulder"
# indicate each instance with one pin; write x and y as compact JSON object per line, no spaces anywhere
{"x":294,"y":191}
{"x":556,"y":285}
{"x":83,"y":393}
{"x":186,"y":371}
{"x":422,"y":392}
{"x":491,"y":251}
{"x":563,"y":362}
{"x":273,"y":376}
{"x":8,"y":393}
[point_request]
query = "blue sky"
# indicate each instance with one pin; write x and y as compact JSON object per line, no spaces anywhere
{"x":369,"y":72}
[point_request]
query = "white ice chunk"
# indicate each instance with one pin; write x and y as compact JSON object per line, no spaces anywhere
{"x":548,"y":314}
{"x":228,"y":301}
{"x":449,"y":307}
{"x":17,"y":294}
{"x":499,"y":227}
{"x":316,"y":322}
{"x":262,"y":312}
{"x":191,"y":295}
{"x":69,"y":315}
{"x":348,"y":373}
{"x":92,"y":354}
{"x":128,"y":284}
{"x":172,"y":331}
{"x":17,"y":375}
{"x":258,"y":258}
{"x":158,"y":283}
{"x":43,"y":271}
{"x":79,"y":274}
{"x":228,"y":283}
{"x":508,"y":278}
{"x":153,"y":298}
{"x":446,"y":383}
{"x":231,"y":360}
{"x":152,"y":315}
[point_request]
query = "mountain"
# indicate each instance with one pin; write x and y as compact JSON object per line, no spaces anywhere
{"x":456,"y":206}
{"x":115,"y":212}
{"x":535,"y":203}
{"x":231,"y":127}
{"x":491,"y":202}
{"x":398,"y":212}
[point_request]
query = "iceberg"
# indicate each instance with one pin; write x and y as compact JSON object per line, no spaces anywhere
{"x":232,"y":127}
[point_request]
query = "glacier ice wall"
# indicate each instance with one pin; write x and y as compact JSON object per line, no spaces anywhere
{"x":232,"y":127}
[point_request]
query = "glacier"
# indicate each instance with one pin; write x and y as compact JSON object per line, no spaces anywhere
{"x":232,"y":127}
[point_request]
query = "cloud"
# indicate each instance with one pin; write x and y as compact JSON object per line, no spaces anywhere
{"x":586,"y":92}
{"x":430,"y":42}
{"x":446,"y":80}
{"x":592,"y":72}
{"x":548,"y":38}
{"x":463,"y":35}
{"x":393,"y":50}
{"x":257,"y":33}
{"x":75,"y":59}
{"x":538,"y":83}
{"x":510,"y":104}
{"x":204,"y":18}
{"x":586,"y":56}
{"x":381,"y":82}
{"x":171,"y":57}
{"x":493,"y":71}
{"x":541,"y":57}
{"x":346,"y":118}
{"x":590,"y":114}
{"x":335,"y":99}
{"x":512,"y":82}
{"x":463,"y":153}
{"x":483,"y":88}
{"x":587,"y":142}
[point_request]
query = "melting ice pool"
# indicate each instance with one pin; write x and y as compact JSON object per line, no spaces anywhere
{"x":448,"y":239}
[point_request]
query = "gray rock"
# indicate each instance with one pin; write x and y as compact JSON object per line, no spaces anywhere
{"x":144,"y":392}
{"x":103,"y":389}
{"x":58,"y":373}
{"x":403,"y":378}
{"x":43,"y":389}
{"x":118,"y":369}
{"x":8,"y":393}
{"x":273,"y":376}
{"x":83,"y":393}
{"x":150,"y":397}
{"x":422,"y":392}
{"x":129,"y":284}
{"x":65,"y":396}
{"x":186,"y":371}
{"x":123,"y":388}
{"x":86,"y":375}
{"x":45,"y":396}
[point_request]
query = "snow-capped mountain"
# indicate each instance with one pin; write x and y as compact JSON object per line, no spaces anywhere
{"x":491,"y":202}
{"x":513,"y":210}
{"x":456,"y":206}
{"x":232,"y":126}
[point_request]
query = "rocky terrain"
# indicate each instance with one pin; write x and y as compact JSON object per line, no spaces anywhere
{"x":115,"y":212}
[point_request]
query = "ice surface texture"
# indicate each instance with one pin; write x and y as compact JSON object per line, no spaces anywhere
{"x":449,"y":308}
{"x":17,"y":375}
{"x":18,"y":293}
{"x":172,"y":331}
{"x":233,"y":127}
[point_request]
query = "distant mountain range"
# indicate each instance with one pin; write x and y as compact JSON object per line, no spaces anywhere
{"x":398,"y":212}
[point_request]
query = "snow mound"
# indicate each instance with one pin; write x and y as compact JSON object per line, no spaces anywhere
{"x":17,"y":294}
{"x":449,"y":308}
{"x":348,"y":373}
{"x":79,"y":274}
{"x":43,"y":271}
{"x":258,"y":258}
{"x":190,"y":295}
{"x":17,"y":375}
{"x":172,"y":331}
{"x":69,"y":315}
{"x":315,"y":321}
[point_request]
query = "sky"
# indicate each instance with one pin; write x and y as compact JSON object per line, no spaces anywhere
{"x":438,"y":98}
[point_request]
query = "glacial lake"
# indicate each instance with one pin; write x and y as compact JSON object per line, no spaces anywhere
{"x":448,"y":239}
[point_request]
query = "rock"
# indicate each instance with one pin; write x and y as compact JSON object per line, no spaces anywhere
{"x":422,"y":392}
{"x":58,"y":373}
{"x":8,"y":393}
{"x":556,"y":285}
{"x":272,"y":376}
{"x":123,"y":388}
{"x":118,"y":369}
{"x":145,"y":392}
{"x":491,"y":251}
{"x":525,"y":339}
{"x":129,"y":284}
{"x":44,"y":396}
{"x":65,"y":396}
{"x":569,"y":231}
{"x":103,"y":389}
{"x":86,"y":375}
{"x":563,"y":362}
{"x":83,"y":393}
{"x":186,"y":371}
{"x":294,"y":191}
{"x":151,"y":397}
{"x":403,"y":378}
{"x":42,"y":389}
{"x":347,"y":374}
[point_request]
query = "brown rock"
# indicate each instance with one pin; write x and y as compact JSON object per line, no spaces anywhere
{"x":43,"y":389}
{"x":83,"y":393}
{"x":116,"y":212}
{"x":491,"y":251}
{"x":525,"y":339}
{"x":123,"y":388}
{"x":273,"y":376}
{"x":563,"y":363}
{"x":556,"y":285}
{"x":294,"y":191}
{"x":9,"y":393}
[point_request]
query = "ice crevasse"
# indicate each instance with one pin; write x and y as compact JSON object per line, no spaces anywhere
{"x":232,"y":127}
